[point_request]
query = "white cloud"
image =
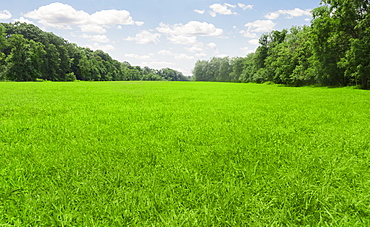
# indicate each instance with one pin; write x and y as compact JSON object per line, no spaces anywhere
{"x":246,"y":50}
{"x":193,"y":28}
{"x":93,"y":28}
{"x":96,"y":38}
{"x":165,"y":52}
{"x":23,"y":20}
{"x":201,"y":54}
{"x":58,"y":15}
{"x":260,"y":26}
{"x":183,"y":57}
{"x":245,"y":7}
{"x":63,"y":16}
{"x":176,"y":56}
{"x":199,"y":11}
{"x":112,"y":17}
{"x":221,"y":9}
{"x":298,"y":12}
{"x":222,"y":55}
{"x":212,"y":46}
{"x":140,"y":57}
{"x":145,"y":37}
{"x":248,"y":34}
{"x":5,"y":14}
{"x":255,"y":42}
{"x":272,"y":16}
{"x":230,"y":5}
{"x":139,"y":23}
{"x":104,"y":48}
{"x":187,"y":34}
{"x":182,"y":39}
{"x":290,"y":13}
{"x":198,"y":49}
{"x":158,"y":64}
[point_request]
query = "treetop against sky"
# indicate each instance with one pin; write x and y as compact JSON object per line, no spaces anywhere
{"x":162,"y":33}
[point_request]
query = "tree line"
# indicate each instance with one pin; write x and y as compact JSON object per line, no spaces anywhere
{"x":28,"y":54}
{"x":333,"y":51}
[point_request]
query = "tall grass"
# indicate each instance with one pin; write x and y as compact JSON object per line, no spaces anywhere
{"x":183,"y":154}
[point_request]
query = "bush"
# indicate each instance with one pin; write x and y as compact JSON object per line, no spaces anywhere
{"x":70,"y":76}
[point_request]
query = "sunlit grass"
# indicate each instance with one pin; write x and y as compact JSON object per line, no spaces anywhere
{"x":183,"y":154}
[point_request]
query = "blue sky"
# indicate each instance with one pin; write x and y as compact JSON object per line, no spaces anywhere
{"x":162,"y":33}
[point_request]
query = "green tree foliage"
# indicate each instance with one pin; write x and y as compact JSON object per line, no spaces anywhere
{"x":217,"y":69}
{"x":25,"y":59}
{"x":329,"y":47}
{"x":200,"y":71}
{"x":238,"y":65}
{"x":333,"y":51}
{"x":274,"y":48}
{"x":27,"y":53}
{"x":171,"y":75}
{"x":352,"y":23}
{"x":3,"y":44}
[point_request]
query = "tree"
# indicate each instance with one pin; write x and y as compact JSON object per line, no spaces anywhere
{"x":293,"y":58}
{"x":31,"y":53}
{"x":84,"y":66}
{"x":249,"y":68}
{"x":225,"y":69}
{"x":262,"y":51}
{"x":329,"y":46}
{"x":2,"y":38}
{"x":275,"y":44}
{"x":238,"y":65}
{"x":342,"y":41}
{"x":25,"y":60}
{"x":51,"y":66}
{"x":200,"y":71}
{"x":2,"y":47}
{"x":352,"y":21}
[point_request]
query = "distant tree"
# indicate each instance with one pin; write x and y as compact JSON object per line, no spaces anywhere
{"x":52,"y":61}
{"x":75,"y":55}
{"x":225,"y":69}
{"x":84,"y":67}
{"x":249,"y":69}
{"x":333,"y":51}
{"x":351,"y":24}
{"x":31,"y":53}
{"x":328,"y":47}
{"x":276,"y":40}
{"x":262,"y":51}
{"x":238,"y":65}
{"x":293,"y":58}
{"x":25,"y":60}
{"x":2,"y":54}
{"x":200,"y":71}
{"x":134,"y":74}
{"x":2,"y":38}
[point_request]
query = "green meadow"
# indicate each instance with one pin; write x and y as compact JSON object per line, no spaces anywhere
{"x":183,"y":154}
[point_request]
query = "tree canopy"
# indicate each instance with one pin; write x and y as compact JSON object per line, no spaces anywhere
{"x":27,"y":54}
{"x":333,"y":51}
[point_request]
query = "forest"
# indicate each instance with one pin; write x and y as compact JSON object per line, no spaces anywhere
{"x":333,"y":51}
{"x":29,"y":54}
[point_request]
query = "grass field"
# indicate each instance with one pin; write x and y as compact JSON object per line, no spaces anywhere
{"x":183,"y":154}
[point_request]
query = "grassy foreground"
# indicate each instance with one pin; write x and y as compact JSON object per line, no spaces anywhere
{"x":183,"y":154}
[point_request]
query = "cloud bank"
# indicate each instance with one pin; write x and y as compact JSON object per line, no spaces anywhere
{"x":63,"y":16}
